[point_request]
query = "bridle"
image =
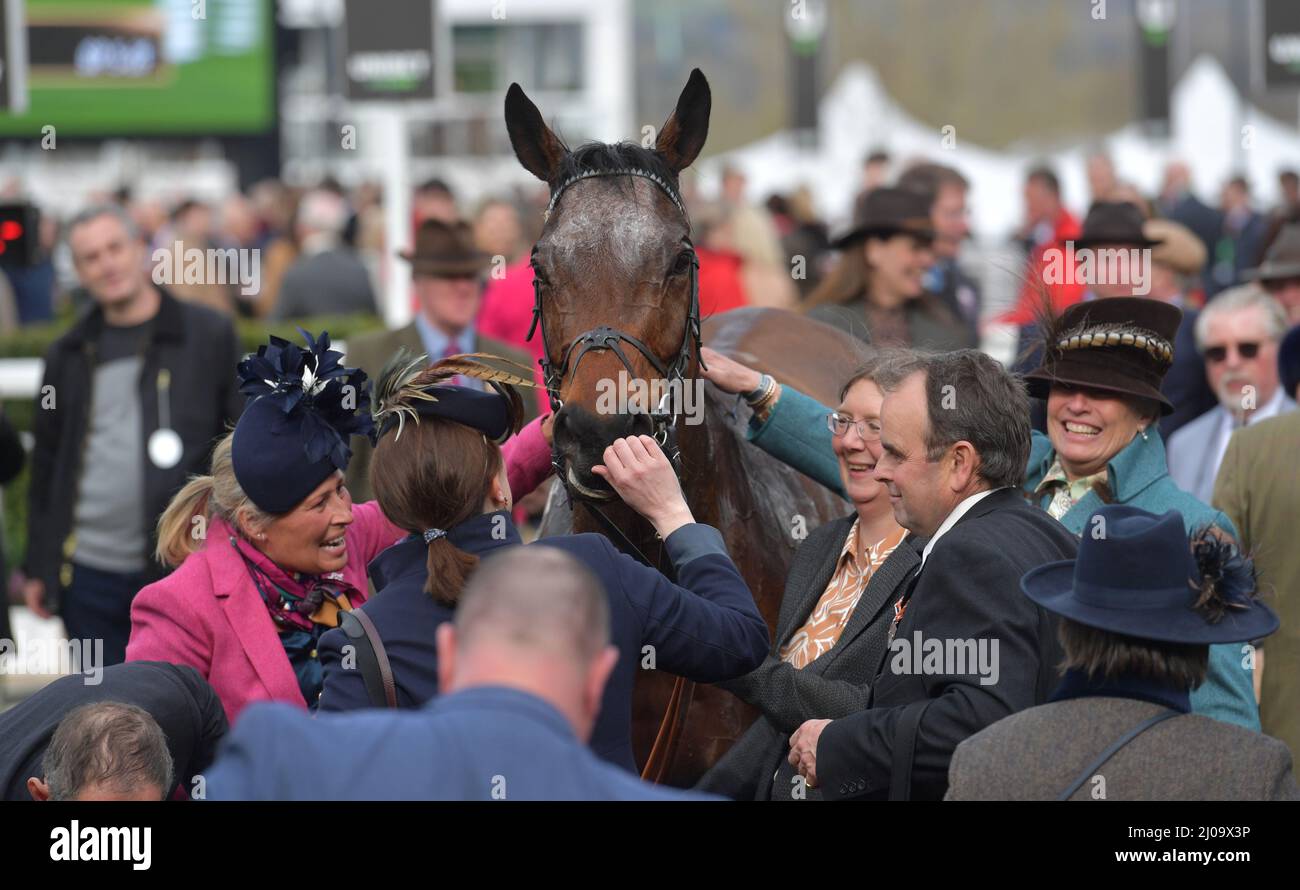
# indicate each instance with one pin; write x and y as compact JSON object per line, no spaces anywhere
{"x":663,"y":417}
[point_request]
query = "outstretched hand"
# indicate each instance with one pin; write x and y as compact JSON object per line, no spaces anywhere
{"x":728,"y":375}
{"x":638,"y":470}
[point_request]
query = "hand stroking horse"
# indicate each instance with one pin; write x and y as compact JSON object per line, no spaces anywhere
{"x":617,"y":299}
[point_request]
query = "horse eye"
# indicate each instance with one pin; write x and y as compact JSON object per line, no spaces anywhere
{"x":682,"y":264}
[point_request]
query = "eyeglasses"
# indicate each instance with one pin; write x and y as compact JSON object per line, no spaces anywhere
{"x":1217,"y":354}
{"x":838,"y":424}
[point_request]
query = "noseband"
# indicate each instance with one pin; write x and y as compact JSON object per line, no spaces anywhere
{"x":663,"y":417}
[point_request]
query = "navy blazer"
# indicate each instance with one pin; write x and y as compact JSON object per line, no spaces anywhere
{"x":705,"y":628}
{"x":176,"y":696}
{"x":484,"y":743}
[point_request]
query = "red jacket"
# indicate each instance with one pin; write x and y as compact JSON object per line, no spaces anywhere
{"x":1066,"y":228}
{"x":720,"y":286}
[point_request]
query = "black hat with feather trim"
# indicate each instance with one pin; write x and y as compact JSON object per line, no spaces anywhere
{"x":1119,"y":344}
{"x":410,"y":388}
{"x":303,"y":407}
{"x":1142,"y":577}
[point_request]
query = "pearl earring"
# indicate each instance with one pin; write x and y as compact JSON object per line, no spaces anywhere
{"x":1143,"y":431}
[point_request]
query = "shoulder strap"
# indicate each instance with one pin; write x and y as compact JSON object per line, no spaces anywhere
{"x":1114,"y":748}
{"x":372,"y":660}
{"x":900,"y":773}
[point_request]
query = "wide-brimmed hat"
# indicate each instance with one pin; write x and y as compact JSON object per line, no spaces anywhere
{"x":1139,"y":575}
{"x":1177,"y":247}
{"x":294,"y":432}
{"x":886,"y":212}
{"x":1283,"y":257}
{"x":445,"y":250}
{"x":1116,"y":223}
{"x":1119,"y":344}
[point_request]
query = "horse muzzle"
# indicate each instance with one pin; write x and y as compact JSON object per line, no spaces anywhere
{"x":580,"y":437}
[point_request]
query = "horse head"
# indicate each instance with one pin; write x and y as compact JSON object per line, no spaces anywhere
{"x":615,"y":278}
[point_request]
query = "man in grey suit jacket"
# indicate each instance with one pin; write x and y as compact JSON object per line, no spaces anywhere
{"x":1140,"y":608}
{"x":1238,"y":334}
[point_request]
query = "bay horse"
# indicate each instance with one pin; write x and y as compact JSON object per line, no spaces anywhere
{"x":616,"y":291}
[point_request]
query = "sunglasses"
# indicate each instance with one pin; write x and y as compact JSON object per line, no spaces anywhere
{"x":1217,"y":354}
{"x":838,"y":424}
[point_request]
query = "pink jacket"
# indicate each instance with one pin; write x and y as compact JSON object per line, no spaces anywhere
{"x":208,"y":614}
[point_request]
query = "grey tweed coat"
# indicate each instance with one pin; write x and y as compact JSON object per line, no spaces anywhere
{"x":834,"y":685}
{"x":1037,"y":753}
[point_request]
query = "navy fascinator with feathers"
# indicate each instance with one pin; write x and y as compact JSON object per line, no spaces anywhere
{"x":303,"y":408}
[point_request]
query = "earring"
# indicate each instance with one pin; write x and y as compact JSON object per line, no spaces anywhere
{"x":1143,"y":431}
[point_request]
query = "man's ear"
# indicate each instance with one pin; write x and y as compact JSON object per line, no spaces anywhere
{"x":535,"y":145}
{"x":38,"y":789}
{"x":682,"y":136}
{"x":445,"y":638}
{"x":963,"y":463}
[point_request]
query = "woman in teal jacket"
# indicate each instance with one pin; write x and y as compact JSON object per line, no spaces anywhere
{"x":1111,"y":452}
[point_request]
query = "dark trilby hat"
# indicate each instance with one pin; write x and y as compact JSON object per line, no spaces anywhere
{"x":445,"y":250}
{"x":294,"y":433}
{"x":886,"y":212}
{"x":1139,"y":575}
{"x":1115,"y":223}
{"x":1118,"y":344}
{"x":1283,"y":257}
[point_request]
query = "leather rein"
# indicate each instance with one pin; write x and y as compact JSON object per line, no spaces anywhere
{"x":663,"y":419}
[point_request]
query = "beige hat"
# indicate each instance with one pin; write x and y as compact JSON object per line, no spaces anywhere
{"x":1179,"y":249}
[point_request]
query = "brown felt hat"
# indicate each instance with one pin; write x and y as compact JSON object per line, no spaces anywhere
{"x":1121,"y":344}
{"x":1283,"y":257}
{"x":886,"y":212}
{"x":445,"y":250}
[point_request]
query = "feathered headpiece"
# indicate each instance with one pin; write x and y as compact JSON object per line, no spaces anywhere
{"x":1228,"y":580}
{"x":409,"y":388}
{"x":303,"y":407}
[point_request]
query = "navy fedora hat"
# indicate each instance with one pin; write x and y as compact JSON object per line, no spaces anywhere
{"x":1136,"y":575}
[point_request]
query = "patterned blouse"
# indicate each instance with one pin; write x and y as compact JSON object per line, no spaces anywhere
{"x":828,"y":618}
{"x":1065,"y":494}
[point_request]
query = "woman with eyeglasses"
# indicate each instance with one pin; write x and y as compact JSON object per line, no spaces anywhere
{"x":1103,"y":363}
{"x":832,"y":630}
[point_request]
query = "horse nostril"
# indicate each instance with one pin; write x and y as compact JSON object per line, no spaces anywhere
{"x":639,"y":425}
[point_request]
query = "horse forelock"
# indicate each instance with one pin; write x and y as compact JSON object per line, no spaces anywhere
{"x":624,"y":222}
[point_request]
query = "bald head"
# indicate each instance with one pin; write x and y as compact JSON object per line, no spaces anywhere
{"x":538,"y":600}
{"x":536,"y":620}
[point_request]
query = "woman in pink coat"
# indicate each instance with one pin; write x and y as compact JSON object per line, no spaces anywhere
{"x":269,"y":547}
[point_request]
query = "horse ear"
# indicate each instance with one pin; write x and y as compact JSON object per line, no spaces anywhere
{"x":683,"y":134}
{"x":536,"y":147}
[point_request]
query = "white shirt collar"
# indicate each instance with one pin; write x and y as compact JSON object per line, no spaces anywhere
{"x":957,"y":513}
